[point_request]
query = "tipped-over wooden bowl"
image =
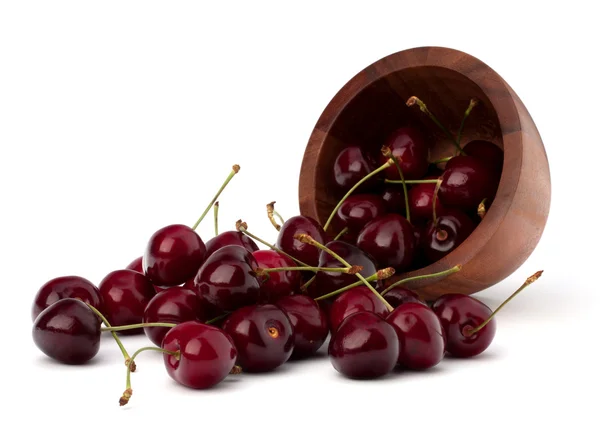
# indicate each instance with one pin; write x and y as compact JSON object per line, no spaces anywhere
{"x":373,"y":103}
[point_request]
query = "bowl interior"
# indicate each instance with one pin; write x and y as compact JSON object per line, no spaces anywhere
{"x":380,"y":108}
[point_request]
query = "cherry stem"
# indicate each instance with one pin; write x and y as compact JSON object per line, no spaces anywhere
{"x":128,"y":359}
{"x":529,"y":281}
{"x":234,"y":170}
{"x":442,"y":160}
{"x":382,"y":274}
{"x":434,"y":200}
{"x":416,"y":101}
{"x":270,"y":213}
{"x":472,"y":104}
{"x":387,"y":152}
{"x":481,"y":209}
{"x":216,"y":319}
{"x":421,"y":277}
{"x":353,"y":270}
{"x":236,"y":370}
{"x":304,"y":287}
{"x":243,"y":227}
{"x":216,"y":217}
{"x":307,"y":239}
{"x":432,"y":181}
{"x":383,"y":167}
{"x":341,"y":234}
{"x":128,"y":391}
{"x":139,"y":325}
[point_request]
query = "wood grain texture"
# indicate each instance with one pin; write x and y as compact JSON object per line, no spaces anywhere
{"x":372,"y":104}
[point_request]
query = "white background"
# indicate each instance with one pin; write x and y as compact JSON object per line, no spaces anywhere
{"x":119,"y":117}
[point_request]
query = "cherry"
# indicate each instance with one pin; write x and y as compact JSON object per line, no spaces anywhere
{"x":411,"y":151}
{"x":393,"y":200}
{"x":206,"y":354}
{"x":420,"y":201}
{"x":390,"y":240}
{"x":364,"y":347}
{"x":65,"y":287}
{"x":356,"y":211}
{"x":400,"y":295}
{"x":263,"y":336}
{"x":136,"y":265}
{"x":490,"y":154}
{"x":352,"y":301}
{"x":299,"y":250}
{"x":125,"y":295}
{"x":227,"y":280}
{"x":173,"y":305}
{"x":420,"y":335}
{"x":465,"y":182}
{"x":281,"y":283}
{"x":350,"y":166}
{"x":309,"y":322}
{"x":230,"y":238}
{"x":452,"y":228}
{"x":67,"y":331}
{"x":327,"y":281}
{"x":173,"y":255}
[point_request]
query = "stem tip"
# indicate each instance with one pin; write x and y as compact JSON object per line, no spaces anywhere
{"x":125,"y":398}
{"x":235,"y":168}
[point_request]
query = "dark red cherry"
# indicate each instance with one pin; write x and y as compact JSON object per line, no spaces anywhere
{"x":390,"y":240}
{"x":356,"y":211}
{"x":393,"y":200}
{"x":326,"y":282}
{"x":420,"y":202}
{"x":125,"y":295}
{"x":400,"y":295}
{"x":230,"y":238}
{"x":460,"y":314}
{"x":67,"y":331}
{"x":452,"y":228}
{"x":411,"y":150}
{"x":227,"y":279}
{"x":207,"y":354}
{"x":136,"y":265}
{"x":278,"y":284}
{"x":352,"y":301}
{"x":65,"y":287}
{"x":466,"y":181}
{"x":488,"y":153}
{"x":364,"y":347}
{"x":173,"y":255}
{"x":308,"y":321}
{"x":350,"y":166}
{"x":420,"y":335}
{"x":263,"y":336}
{"x":173,"y":305}
{"x":306,"y":253}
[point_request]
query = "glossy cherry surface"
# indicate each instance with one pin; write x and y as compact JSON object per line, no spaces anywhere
{"x":420,"y":202}
{"x":308,"y":321}
{"x":326,"y":282}
{"x":356,"y":211}
{"x":364,"y":347}
{"x":411,"y":150}
{"x":277,"y":284}
{"x":350,"y":166}
{"x":125,"y":295}
{"x":420,"y":335}
{"x":173,"y":305}
{"x":67,"y":331}
{"x":136,"y":265}
{"x":466,"y":181}
{"x":207,"y":354}
{"x":452,"y":228}
{"x":400,"y":295}
{"x":173,"y":255}
{"x":230,"y":238}
{"x":488,"y":153}
{"x":352,"y":301}
{"x":393,"y":200}
{"x":390,"y":240}
{"x":65,"y":287}
{"x":227,"y":279}
{"x":306,"y":253}
{"x":460,"y":314}
{"x":263,"y":336}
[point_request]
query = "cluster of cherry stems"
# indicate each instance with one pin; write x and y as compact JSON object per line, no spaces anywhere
{"x":225,"y":306}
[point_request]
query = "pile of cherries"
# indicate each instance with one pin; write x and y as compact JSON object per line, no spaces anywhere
{"x":224,"y":306}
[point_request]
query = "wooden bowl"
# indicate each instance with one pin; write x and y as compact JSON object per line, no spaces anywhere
{"x":373,"y":103}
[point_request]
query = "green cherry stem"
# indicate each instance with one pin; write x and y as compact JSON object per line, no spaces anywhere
{"x":352,"y":270}
{"x":304,"y":287}
{"x":307,"y":239}
{"x":432,"y":181}
{"x":383,"y":167}
{"x":382,"y":274}
{"x":138,"y":326}
{"x":442,"y":160}
{"x":128,"y":391}
{"x":234,"y":170}
{"x":216,"y":217}
{"x":424,"y":276}
{"x":128,"y":360}
{"x":529,"y":280}
{"x":387,"y":152}
{"x":341,"y":234}
{"x":436,"y":192}
{"x":271,"y":213}
{"x":472,"y":104}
